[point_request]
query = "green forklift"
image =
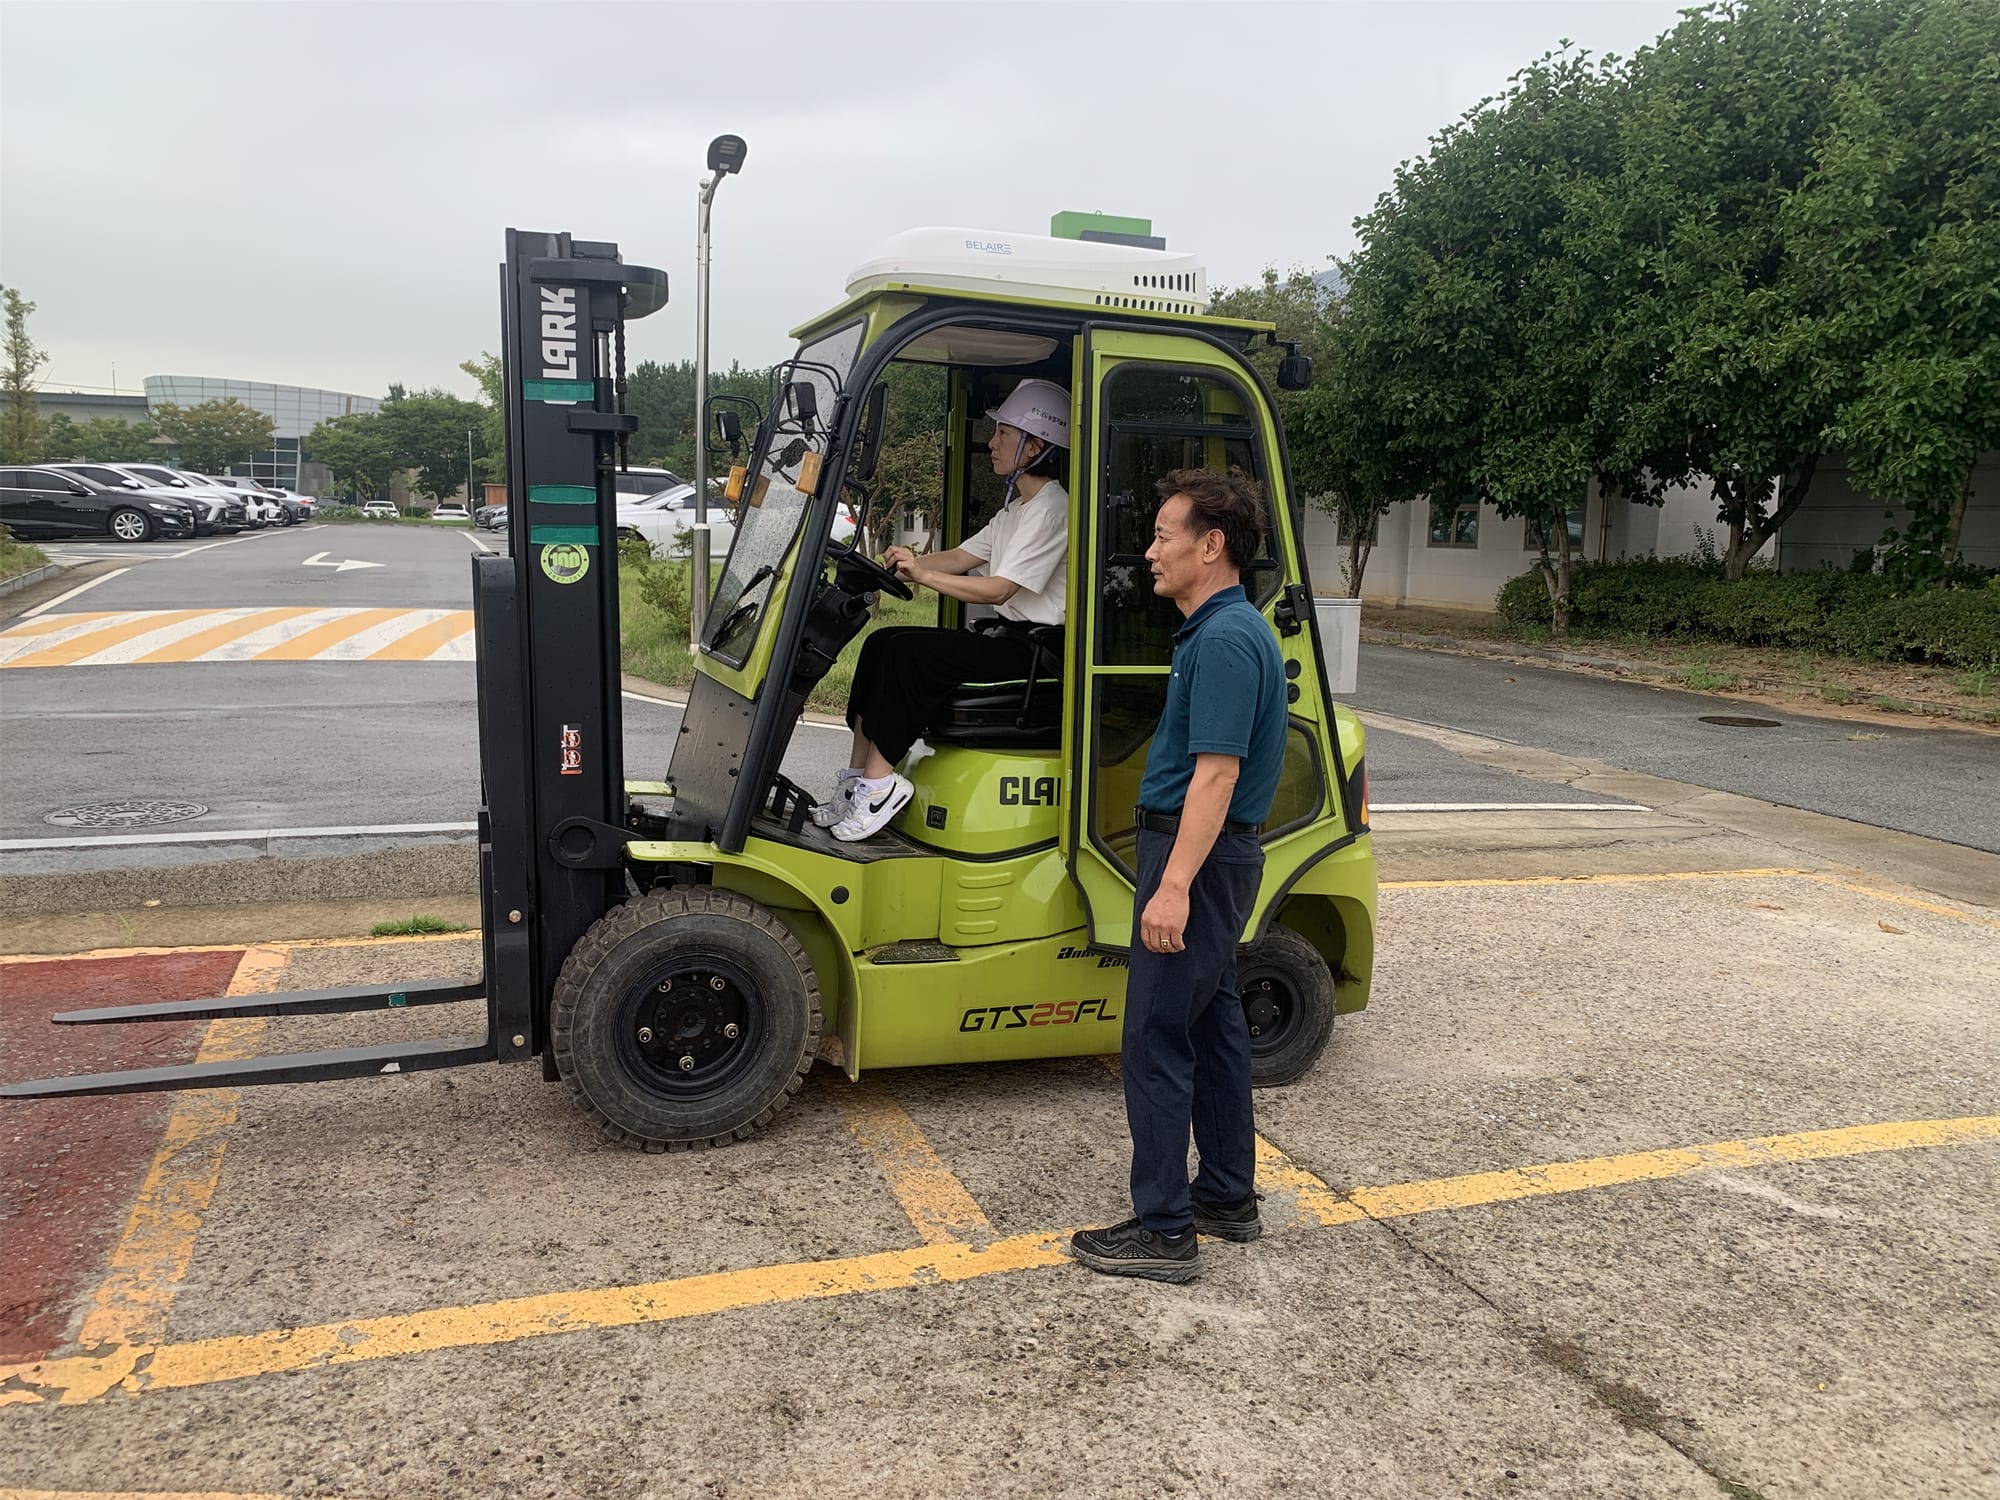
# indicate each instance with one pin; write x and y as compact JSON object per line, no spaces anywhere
{"x":679,"y":951}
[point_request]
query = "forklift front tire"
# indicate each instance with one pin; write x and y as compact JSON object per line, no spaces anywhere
{"x":685,"y":1019}
{"x":1288,"y":1000}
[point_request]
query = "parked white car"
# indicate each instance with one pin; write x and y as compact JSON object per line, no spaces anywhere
{"x":451,"y":510}
{"x":379,"y":509}
{"x":665,"y":519}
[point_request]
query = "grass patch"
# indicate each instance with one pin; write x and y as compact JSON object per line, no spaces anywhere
{"x":1707,"y":679}
{"x":17,"y":558}
{"x":417,"y":924}
{"x":653,"y":628}
{"x":1979,"y":682}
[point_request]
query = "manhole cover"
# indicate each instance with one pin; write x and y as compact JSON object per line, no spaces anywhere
{"x":124,"y":814}
{"x":1740,"y":721}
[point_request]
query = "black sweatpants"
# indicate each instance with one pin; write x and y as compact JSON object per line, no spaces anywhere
{"x":908,"y":671}
{"x":1185,"y":1054}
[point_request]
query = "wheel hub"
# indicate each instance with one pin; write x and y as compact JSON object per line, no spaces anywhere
{"x":691,"y":1024}
{"x":1270,"y":1009}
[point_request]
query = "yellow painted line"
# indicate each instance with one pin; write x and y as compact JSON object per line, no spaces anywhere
{"x":152,"y":1256}
{"x":420,"y":643}
{"x":188,"y":647}
{"x":138,"y":1369}
{"x":939,"y":1207}
{"x":308,"y":644}
{"x":93,"y":641}
{"x":1276,"y":1172}
{"x":1454,"y":885}
{"x":50,"y":623}
{"x":282,"y":945}
{"x":1881,"y":895}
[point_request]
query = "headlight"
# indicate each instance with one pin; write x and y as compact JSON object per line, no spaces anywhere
{"x":164,"y":507}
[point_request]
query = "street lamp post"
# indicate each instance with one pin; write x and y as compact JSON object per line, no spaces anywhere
{"x":468,"y":468}
{"x":725,"y":155}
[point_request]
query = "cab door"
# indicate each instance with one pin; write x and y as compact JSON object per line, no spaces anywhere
{"x":1159,"y":402}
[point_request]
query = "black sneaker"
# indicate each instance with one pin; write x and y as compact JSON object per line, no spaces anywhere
{"x":1228,"y":1221}
{"x":1131,"y":1249}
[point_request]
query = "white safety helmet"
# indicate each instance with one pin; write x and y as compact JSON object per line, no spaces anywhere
{"x":1040,"y":408}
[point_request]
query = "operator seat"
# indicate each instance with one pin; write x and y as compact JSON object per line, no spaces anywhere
{"x":1018,"y":714}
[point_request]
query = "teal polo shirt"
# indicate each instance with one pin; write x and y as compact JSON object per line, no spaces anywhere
{"x":1226,"y":697}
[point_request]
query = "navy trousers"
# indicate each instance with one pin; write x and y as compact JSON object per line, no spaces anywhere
{"x":1186,"y":1050}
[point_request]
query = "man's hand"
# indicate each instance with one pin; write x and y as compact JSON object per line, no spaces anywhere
{"x":1163,"y":924}
{"x":897,"y":559}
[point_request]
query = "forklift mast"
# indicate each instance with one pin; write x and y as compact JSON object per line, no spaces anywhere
{"x":552,"y":784}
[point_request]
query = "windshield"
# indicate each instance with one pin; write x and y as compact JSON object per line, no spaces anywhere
{"x":768,"y":515}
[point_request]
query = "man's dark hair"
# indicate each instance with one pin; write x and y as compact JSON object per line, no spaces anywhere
{"x":1231,"y":503}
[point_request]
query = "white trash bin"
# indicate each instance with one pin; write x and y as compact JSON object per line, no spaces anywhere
{"x":1340,"y":640}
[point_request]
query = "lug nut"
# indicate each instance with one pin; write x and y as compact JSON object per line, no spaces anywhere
{"x":730,"y":1031}
{"x":687,"y":1064}
{"x":665,"y":985}
{"x":645,"y":1034}
{"x":715,"y":983}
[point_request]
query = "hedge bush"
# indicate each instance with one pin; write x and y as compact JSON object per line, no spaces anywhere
{"x":1956,"y":623}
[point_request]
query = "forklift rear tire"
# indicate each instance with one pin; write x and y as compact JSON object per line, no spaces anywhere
{"x":685,"y":1019}
{"x":1288,"y":999}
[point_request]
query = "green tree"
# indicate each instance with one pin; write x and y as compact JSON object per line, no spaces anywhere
{"x":357,"y":449}
{"x":1718,"y":135}
{"x":1900,"y":217}
{"x":429,"y":433}
{"x":662,"y":398}
{"x":215,"y":434}
{"x":492,"y":452}
{"x":20,"y":422}
{"x":104,"y":440}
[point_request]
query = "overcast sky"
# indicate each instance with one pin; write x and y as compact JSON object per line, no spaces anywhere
{"x":315,"y":194}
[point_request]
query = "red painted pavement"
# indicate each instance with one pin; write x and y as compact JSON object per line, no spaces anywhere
{"x":70,"y":1168}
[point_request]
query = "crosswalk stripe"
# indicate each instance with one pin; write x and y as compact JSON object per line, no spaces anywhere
{"x":288,"y":633}
{"x":48,"y":624}
{"x":90,"y":642}
{"x":308,"y":645}
{"x":419,"y":645}
{"x":189,"y":648}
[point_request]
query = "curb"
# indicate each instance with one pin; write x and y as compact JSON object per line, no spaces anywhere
{"x":32,"y":576}
{"x":1654,"y":672}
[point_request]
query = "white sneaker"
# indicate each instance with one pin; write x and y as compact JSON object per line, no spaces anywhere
{"x":873,"y":810}
{"x":839,"y":803}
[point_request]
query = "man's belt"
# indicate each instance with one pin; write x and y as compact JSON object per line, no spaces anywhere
{"x":1159,"y":822}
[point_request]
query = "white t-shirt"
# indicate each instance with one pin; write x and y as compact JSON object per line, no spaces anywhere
{"x":1028,"y":545}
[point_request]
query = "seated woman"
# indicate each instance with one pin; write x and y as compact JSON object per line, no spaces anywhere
{"x":906,"y":674}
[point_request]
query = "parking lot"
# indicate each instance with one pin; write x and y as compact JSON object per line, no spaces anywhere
{"x":1653,"y":1178}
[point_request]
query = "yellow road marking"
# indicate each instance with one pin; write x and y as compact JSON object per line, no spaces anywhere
{"x":1277,"y":1172}
{"x":281,"y":945}
{"x":187,"y":648}
{"x":50,"y":623}
{"x":420,"y":643}
{"x":308,"y":644}
{"x":138,"y":1369}
{"x":1879,"y":895}
{"x":940,"y":1209}
{"x":151,"y":1259}
{"x":1452,"y":885}
{"x":93,"y":641}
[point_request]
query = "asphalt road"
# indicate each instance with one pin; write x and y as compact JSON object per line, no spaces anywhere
{"x":340,"y":744}
{"x":1940,"y":783}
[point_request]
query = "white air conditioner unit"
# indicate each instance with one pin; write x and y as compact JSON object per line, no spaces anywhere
{"x":1037,"y":265}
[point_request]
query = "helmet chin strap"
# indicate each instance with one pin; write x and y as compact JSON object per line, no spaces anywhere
{"x":1015,"y":473}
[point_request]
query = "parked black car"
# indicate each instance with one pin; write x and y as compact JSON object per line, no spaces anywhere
{"x":490,"y":517}
{"x":213,"y":511}
{"x":49,"y":502}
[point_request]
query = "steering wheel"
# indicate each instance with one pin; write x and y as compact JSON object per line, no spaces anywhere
{"x":846,"y":557}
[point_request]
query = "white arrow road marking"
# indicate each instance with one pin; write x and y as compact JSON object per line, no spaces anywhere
{"x":318,"y":560}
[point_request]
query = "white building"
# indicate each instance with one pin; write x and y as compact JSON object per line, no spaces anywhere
{"x":294,"y":411}
{"x":1458,"y":558}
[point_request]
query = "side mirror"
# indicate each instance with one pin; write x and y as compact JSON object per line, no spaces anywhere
{"x":802,"y":397}
{"x":1295,"y":372}
{"x":730,"y":426}
{"x":862,"y":465}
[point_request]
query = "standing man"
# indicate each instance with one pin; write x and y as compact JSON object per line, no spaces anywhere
{"x":1210,"y":777}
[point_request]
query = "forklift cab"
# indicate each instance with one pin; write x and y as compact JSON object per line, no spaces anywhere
{"x":680,"y":950}
{"x":992,"y":918}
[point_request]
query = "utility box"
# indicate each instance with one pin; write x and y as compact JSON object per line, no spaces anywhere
{"x":1339,"y":641}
